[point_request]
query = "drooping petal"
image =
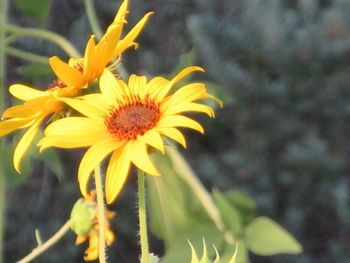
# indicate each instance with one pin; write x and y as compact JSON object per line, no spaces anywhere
{"x":174,"y":134}
{"x":70,"y":76}
{"x":177,"y":78}
{"x":87,"y":109}
{"x":209,"y":96}
{"x":21,"y":111}
{"x":25,"y":93}
{"x":139,"y":156}
{"x":24,"y":143}
{"x":117,"y":172}
{"x":93,"y":157}
{"x":14,"y":124}
{"x":179,"y":121}
{"x":154,"y":139}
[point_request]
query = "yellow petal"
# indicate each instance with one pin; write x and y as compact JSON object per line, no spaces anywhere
{"x":25,"y":93}
{"x":93,"y":157}
{"x":70,"y":76}
{"x":177,"y":78}
{"x":117,"y":173}
{"x":154,"y":139}
{"x":140,"y":157}
{"x":179,"y":121}
{"x":187,"y":93}
{"x":110,"y":87}
{"x":24,"y":143}
{"x":122,"y":11}
{"x":13,"y":124}
{"x":174,"y":134}
{"x":189,"y":106}
{"x":209,"y":96}
{"x":80,"y":239}
{"x":137,"y":85}
{"x":87,"y":109}
{"x":128,"y":40}
{"x":98,"y":100}
{"x":21,"y":111}
{"x":89,"y":59}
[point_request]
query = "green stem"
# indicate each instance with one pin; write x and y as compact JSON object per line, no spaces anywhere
{"x":185,"y":171}
{"x":44,"y":34}
{"x":93,"y":21}
{"x":142,"y":217}
{"x":40,"y":249}
{"x":3,"y":17}
{"x":101,"y":216}
{"x":26,"y":55}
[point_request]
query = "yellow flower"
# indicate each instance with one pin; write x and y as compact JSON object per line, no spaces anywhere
{"x":97,"y":57}
{"x":86,"y":210}
{"x":71,"y":78}
{"x":123,"y":120}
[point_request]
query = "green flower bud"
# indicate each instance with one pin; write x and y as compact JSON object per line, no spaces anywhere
{"x":83,"y":216}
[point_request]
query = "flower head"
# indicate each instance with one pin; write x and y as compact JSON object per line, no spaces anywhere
{"x":72,"y":77}
{"x":84,"y":222}
{"x":123,"y":120}
{"x":97,"y":56}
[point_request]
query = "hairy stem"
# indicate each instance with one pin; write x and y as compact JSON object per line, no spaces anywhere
{"x":142,"y":217}
{"x":101,"y":216}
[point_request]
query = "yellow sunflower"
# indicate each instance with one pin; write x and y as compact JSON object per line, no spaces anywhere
{"x":71,"y":78}
{"x":97,"y":56}
{"x":123,"y":120}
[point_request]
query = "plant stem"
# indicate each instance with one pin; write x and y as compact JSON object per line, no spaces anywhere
{"x":40,"y":249}
{"x":44,"y":34}
{"x":26,"y":55}
{"x":185,"y":171}
{"x":101,"y":216}
{"x":142,"y":217}
{"x":93,"y":21}
{"x":3,"y":17}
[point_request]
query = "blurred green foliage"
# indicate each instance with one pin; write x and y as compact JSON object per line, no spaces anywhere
{"x":282,"y":69}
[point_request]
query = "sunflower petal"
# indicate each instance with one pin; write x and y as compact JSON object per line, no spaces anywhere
{"x":140,"y":157}
{"x":154,"y":139}
{"x":21,"y":111}
{"x":137,"y":85}
{"x":190,"y":106}
{"x":161,"y":95}
{"x":70,"y":76}
{"x":89,"y":60}
{"x":179,"y":121}
{"x":128,"y":40}
{"x":117,"y":173}
{"x":88,"y":109}
{"x":174,"y":134}
{"x":110,"y":87}
{"x":14,"y":124}
{"x":24,"y":143}
{"x":93,"y":157}
{"x":25,"y":93}
{"x":122,"y":11}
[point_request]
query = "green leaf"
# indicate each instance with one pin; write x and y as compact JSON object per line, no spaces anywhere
{"x":37,"y":9}
{"x":265,"y":237}
{"x":229,"y":214}
{"x":244,"y":204}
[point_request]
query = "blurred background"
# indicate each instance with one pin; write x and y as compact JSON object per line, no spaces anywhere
{"x":282,"y":68}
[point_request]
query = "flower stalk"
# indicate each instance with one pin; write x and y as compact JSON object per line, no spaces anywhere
{"x":101,"y":215}
{"x":42,"y":248}
{"x":142,"y":217}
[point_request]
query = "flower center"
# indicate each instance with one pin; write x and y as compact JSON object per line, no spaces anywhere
{"x":132,"y":118}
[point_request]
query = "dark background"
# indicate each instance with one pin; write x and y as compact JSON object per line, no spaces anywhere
{"x":283,"y":71}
